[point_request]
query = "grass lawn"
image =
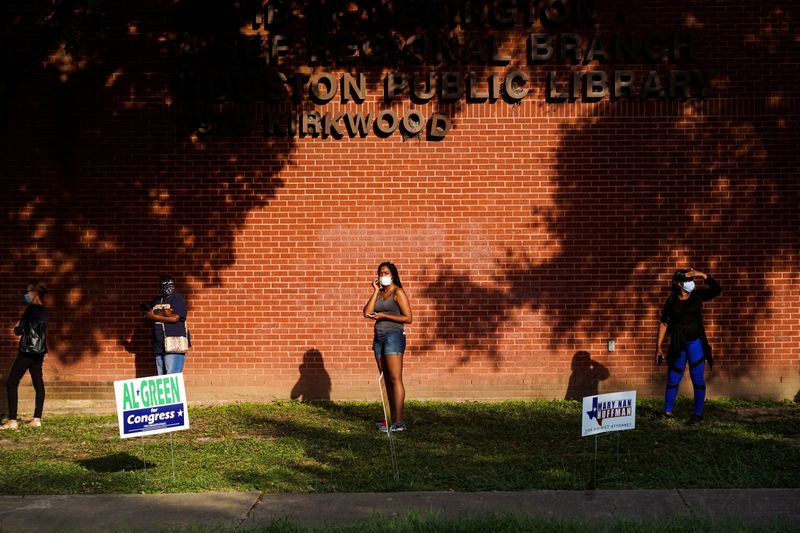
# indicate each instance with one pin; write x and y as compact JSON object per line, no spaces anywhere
{"x":470,"y":446}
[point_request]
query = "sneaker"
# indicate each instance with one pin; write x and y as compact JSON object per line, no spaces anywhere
{"x":398,"y":426}
{"x":11,"y":424}
{"x":694,"y":420}
{"x":35,"y":423}
{"x":380,"y":425}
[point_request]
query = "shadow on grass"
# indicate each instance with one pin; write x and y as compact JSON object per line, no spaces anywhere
{"x":520,"y":446}
{"x":308,"y":447}
{"x":445,"y":448}
{"x":116,"y":462}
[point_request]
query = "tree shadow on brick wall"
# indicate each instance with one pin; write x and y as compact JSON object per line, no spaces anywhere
{"x":619,"y":235}
{"x":638,"y":193}
{"x":123,"y":126}
{"x":682,"y":210}
{"x":109,"y":178}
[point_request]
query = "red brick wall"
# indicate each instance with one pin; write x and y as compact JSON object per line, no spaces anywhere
{"x":533,"y":232}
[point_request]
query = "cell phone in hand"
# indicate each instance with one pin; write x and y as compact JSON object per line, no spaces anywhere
{"x":660,"y":359}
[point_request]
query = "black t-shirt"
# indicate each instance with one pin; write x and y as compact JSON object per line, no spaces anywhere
{"x":687,"y":315}
{"x":684,"y":314}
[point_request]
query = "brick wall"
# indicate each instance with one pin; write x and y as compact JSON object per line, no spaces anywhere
{"x":536,"y":230}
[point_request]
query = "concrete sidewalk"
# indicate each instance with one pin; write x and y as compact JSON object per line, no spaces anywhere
{"x":253,"y":510}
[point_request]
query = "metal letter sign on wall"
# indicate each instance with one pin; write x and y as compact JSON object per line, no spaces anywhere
{"x":152,"y":405}
{"x":274,"y":69}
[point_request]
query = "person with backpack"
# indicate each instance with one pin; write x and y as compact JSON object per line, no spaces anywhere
{"x":32,"y":330}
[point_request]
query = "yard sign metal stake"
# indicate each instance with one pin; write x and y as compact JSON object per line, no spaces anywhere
{"x":388,"y":419}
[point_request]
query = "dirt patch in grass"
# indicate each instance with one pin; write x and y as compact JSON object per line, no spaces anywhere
{"x":761,"y":415}
{"x":12,"y":444}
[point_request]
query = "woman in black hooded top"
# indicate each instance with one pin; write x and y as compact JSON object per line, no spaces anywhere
{"x":682,"y":316}
{"x":32,"y":329}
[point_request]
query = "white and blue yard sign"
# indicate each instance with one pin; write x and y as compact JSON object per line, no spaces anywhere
{"x":608,"y":412}
{"x":147,"y":406}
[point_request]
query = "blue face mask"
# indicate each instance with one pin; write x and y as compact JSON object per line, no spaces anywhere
{"x":688,"y":286}
{"x":27,"y":298}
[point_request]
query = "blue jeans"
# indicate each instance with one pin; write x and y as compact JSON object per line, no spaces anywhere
{"x":392,"y":342}
{"x":170,"y":363}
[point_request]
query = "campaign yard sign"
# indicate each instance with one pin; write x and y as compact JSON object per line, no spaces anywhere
{"x":608,"y":412}
{"x":152,"y":405}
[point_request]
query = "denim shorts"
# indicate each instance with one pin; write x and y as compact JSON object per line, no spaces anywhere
{"x":389,"y":342}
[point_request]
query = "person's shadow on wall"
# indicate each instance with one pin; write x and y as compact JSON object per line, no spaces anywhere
{"x":314,"y":382}
{"x":140,"y":345}
{"x":586,"y":376}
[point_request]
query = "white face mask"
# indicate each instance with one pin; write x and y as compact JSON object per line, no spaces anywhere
{"x":386,"y":280}
{"x":688,"y":286}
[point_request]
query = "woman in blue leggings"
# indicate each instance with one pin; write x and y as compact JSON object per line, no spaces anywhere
{"x":682,"y":316}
